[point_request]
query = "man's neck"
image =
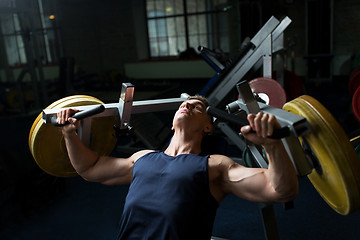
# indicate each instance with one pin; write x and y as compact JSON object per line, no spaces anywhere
{"x":182,"y":144}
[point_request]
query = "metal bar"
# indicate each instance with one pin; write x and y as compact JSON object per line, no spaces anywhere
{"x":270,"y":32}
{"x":186,"y":25}
{"x":247,"y":95}
{"x":298,"y":125}
{"x":210,"y":58}
{"x":84,"y":131}
{"x":158,"y":105}
{"x":252,"y":107}
{"x":267,"y":57}
{"x":281,"y":28}
{"x":188,"y":14}
{"x":235,"y":138}
{"x":258,"y":157}
{"x":297,"y":156}
{"x":278,"y":44}
{"x":112,"y":109}
{"x":125,"y":104}
{"x":266,"y":30}
{"x":269,"y":221}
{"x":236,"y":74}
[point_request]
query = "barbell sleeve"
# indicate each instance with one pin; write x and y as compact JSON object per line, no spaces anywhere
{"x":223,"y":115}
{"x":80,"y":115}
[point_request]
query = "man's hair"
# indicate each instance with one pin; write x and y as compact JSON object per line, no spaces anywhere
{"x":200,"y":98}
{"x":204,"y":101}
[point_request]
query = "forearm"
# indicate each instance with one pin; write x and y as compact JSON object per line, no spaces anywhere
{"x":81,"y":157}
{"x":281,"y":172}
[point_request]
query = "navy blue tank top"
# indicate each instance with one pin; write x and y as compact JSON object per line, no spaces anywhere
{"x":169,"y":198}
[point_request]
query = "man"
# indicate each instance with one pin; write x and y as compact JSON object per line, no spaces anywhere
{"x":174,"y":194}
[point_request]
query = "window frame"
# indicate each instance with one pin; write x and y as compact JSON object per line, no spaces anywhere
{"x":210,"y":35}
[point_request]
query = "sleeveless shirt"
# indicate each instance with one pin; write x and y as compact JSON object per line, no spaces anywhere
{"x":169,"y":198}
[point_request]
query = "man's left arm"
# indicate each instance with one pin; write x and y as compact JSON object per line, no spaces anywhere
{"x":278,"y":183}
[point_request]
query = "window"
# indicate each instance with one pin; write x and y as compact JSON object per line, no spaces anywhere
{"x":177,"y":25}
{"x":26,"y":30}
{"x":13,"y":40}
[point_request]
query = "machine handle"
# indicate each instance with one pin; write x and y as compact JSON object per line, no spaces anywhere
{"x":223,"y":115}
{"x":80,"y":115}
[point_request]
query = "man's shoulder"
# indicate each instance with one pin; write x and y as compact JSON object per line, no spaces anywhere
{"x":140,"y":154}
{"x":219,"y":159}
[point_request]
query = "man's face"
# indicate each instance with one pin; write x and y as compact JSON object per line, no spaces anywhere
{"x":193,"y":111}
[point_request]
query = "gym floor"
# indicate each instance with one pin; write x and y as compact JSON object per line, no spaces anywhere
{"x":34,"y":205}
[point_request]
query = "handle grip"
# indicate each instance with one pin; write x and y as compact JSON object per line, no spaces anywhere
{"x":80,"y":115}
{"x":223,"y":115}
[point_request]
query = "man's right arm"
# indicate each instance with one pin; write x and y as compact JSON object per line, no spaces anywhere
{"x":88,"y":164}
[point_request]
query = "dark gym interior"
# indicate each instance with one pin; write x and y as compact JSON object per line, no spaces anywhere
{"x":57,"y":48}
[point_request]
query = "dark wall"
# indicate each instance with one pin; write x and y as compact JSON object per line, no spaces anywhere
{"x":99,"y":34}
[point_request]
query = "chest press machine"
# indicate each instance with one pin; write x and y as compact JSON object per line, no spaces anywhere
{"x":317,"y":145}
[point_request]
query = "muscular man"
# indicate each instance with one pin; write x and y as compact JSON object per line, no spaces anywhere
{"x":174,"y":194}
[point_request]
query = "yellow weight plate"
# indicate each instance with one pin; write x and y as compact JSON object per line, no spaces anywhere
{"x":336,"y":175}
{"x":47,"y":144}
